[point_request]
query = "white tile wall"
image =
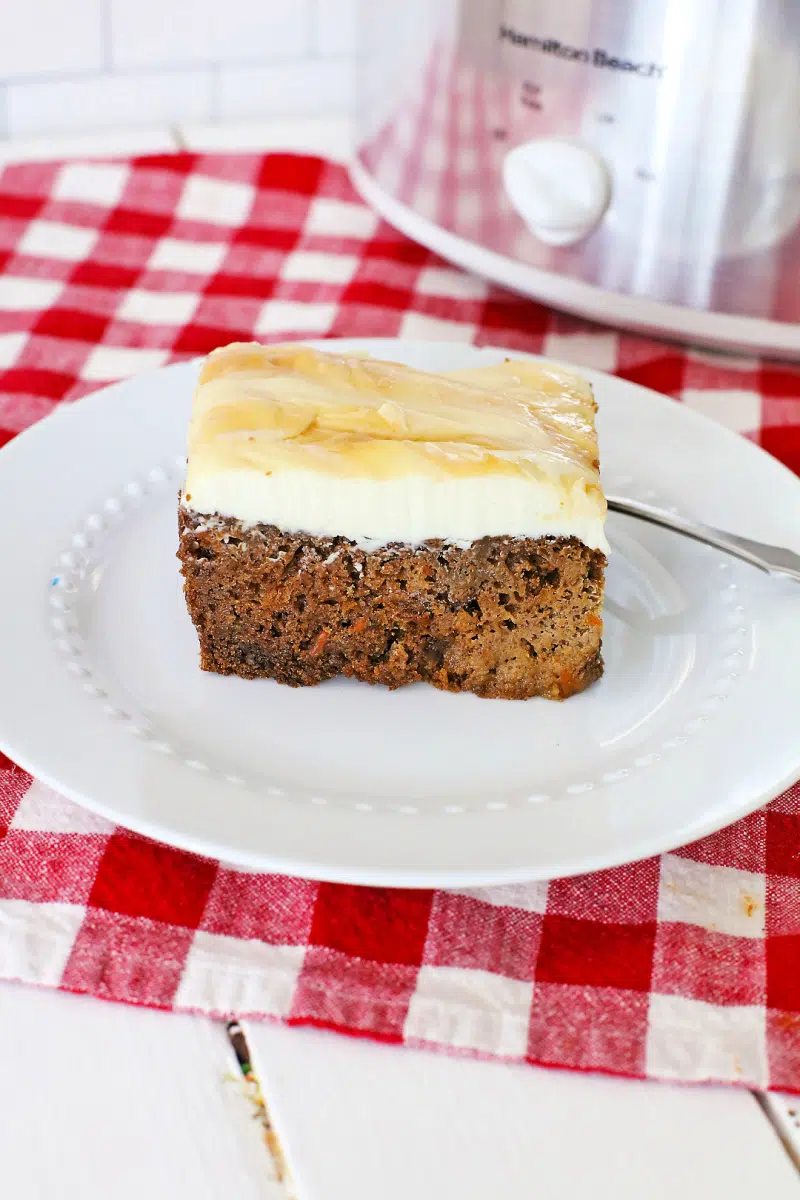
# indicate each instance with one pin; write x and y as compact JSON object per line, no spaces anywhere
{"x":318,"y":85}
{"x":93,"y":65}
{"x":42,"y":36}
{"x":146,"y":33}
{"x":335,"y":27}
{"x":107,"y":101}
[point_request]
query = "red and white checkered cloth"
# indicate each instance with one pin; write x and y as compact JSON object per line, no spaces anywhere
{"x":681,"y":967}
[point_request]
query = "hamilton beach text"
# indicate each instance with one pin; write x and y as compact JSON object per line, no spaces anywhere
{"x":596,"y":57}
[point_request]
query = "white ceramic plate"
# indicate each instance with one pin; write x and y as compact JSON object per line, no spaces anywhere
{"x":694,"y":723}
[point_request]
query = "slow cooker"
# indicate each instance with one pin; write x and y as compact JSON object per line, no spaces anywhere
{"x":633,"y":161}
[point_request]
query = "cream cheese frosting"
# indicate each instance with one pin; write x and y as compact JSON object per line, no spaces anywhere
{"x":341,"y":444}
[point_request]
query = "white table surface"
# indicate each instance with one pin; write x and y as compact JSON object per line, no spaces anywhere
{"x":100,"y":1100}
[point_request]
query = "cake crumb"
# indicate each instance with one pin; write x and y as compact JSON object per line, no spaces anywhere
{"x":504,"y":617}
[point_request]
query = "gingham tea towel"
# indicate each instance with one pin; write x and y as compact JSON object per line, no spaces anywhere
{"x":682,"y":967}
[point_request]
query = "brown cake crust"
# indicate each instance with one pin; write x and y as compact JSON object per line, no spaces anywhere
{"x":505,"y":617}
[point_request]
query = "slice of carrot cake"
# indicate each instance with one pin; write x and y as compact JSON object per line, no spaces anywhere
{"x":346,"y":516}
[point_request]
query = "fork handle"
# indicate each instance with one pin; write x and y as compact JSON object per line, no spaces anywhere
{"x":775,"y":560}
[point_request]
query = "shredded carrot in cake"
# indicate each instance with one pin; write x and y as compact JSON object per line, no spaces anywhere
{"x":320,"y":642}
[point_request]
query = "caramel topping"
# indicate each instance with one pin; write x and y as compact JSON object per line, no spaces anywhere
{"x":273,"y":408}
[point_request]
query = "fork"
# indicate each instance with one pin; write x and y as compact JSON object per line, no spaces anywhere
{"x":775,"y":560}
